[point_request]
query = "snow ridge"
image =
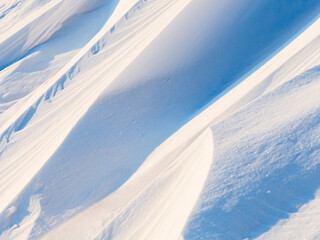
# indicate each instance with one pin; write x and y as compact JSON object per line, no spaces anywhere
{"x":112,"y":59}
{"x":196,"y":178}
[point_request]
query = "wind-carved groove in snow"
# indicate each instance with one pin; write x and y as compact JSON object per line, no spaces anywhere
{"x":78,"y":85}
{"x":154,"y":203}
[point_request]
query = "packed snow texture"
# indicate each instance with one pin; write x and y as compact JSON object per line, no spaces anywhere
{"x":159,"y":119}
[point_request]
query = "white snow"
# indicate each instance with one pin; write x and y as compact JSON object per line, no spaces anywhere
{"x":92,"y":96}
{"x":300,"y":225}
{"x":153,"y":204}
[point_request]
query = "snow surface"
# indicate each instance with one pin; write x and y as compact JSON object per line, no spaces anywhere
{"x":92,"y":94}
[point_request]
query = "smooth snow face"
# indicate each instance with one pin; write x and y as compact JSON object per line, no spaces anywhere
{"x":155,"y":202}
{"x":82,"y":120}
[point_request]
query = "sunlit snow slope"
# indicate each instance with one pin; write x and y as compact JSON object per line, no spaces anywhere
{"x":159,"y":119}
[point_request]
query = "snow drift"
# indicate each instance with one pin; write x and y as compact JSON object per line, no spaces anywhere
{"x":88,"y":94}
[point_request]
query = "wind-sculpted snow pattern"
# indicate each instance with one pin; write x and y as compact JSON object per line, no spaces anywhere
{"x":159,"y":119}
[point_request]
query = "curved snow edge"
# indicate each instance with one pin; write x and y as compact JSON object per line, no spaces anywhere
{"x":154,"y":203}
